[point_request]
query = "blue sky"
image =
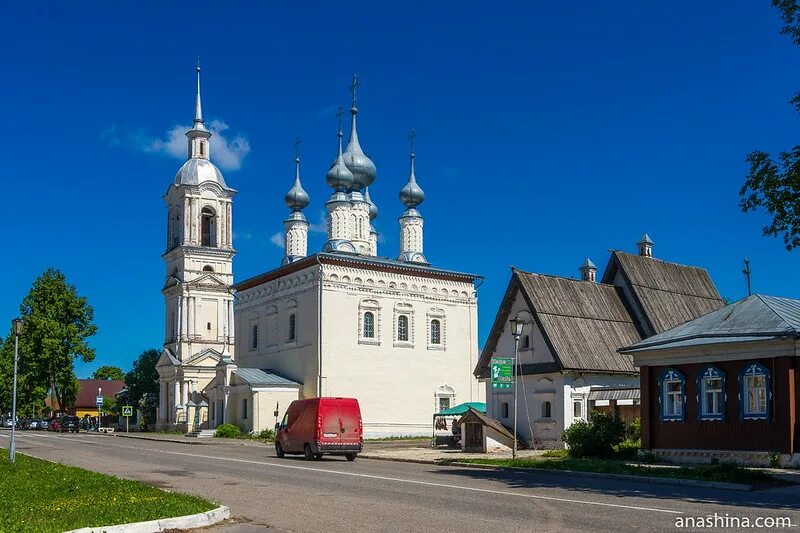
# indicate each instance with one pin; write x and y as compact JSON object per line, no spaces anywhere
{"x":546,"y":132}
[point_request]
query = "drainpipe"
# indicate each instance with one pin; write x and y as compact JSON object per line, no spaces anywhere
{"x":319,"y":327}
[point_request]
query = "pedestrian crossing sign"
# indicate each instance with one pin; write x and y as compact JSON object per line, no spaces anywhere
{"x":127,"y":410}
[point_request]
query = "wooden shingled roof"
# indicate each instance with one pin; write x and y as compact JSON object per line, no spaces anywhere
{"x":585,"y":323}
{"x":668,"y":293}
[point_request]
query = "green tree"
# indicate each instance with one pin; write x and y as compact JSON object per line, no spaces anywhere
{"x":774,"y":184}
{"x":108,"y":372}
{"x":142,"y":385}
{"x":57,"y":323}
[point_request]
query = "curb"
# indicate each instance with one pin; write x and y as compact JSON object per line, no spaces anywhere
{"x":208,"y":518}
{"x":156,"y":439}
{"x":724,"y":485}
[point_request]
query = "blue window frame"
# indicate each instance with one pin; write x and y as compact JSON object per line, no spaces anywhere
{"x":755,"y":392}
{"x":672,"y":395}
{"x":711,"y":396}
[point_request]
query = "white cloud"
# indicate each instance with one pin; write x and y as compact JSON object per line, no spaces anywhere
{"x":227,"y":152}
{"x":277,"y":239}
{"x":322,"y":225}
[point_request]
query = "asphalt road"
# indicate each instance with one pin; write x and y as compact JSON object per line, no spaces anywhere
{"x":371,"y":495}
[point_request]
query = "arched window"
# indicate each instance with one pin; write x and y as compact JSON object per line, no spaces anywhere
{"x":208,"y":232}
{"x":547,"y":410}
{"x":436,"y":332}
{"x":711,"y":386}
{"x":754,"y":382}
{"x":369,"y":325}
{"x":526,"y":341}
{"x":208,"y":268}
{"x":292,"y":327}
{"x":254,"y":337}
{"x":402,"y":328}
{"x":673,"y":394}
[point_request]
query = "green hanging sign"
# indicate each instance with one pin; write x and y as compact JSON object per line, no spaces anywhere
{"x":502,"y":372}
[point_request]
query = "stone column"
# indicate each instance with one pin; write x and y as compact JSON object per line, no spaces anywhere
{"x":226,"y":392}
{"x":178,"y":328}
{"x":162,"y":401}
{"x":190,"y":328}
{"x":228,"y":207}
{"x":220,"y":319}
{"x":231,"y":330}
{"x":185,"y":219}
{"x":185,"y":393}
{"x":177,"y":398}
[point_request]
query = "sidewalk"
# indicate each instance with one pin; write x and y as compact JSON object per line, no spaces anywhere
{"x":183,"y":439}
{"x":423,"y":454}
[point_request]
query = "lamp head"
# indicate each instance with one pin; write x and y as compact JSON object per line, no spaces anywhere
{"x":17,"y":326}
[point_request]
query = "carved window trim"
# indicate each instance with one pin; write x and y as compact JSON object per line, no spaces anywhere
{"x":407,"y":310}
{"x":436,"y":313}
{"x":369,"y":306}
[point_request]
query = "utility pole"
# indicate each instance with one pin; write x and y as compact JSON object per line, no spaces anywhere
{"x":746,"y":273}
{"x":12,"y":448}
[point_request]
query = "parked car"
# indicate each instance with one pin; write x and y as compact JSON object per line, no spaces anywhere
{"x":8,"y":422}
{"x":44,"y":423}
{"x":33,"y":423}
{"x":54,"y":423}
{"x":321,"y":426}
{"x":69,"y":424}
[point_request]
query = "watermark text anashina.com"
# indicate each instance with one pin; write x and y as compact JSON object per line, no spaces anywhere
{"x":725,"y":521}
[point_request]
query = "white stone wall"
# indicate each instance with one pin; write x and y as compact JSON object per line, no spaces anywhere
{"x":296,"y":237}
{"x":411,"y":234}
{"x":395,"y":381}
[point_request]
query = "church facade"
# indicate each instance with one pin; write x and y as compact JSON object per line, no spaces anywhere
{"x":396,"y":333}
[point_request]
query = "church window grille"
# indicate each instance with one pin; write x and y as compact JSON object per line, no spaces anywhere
{"x":292,"y":327}
{"x":444,"y":403}
{"x":369,"y":325}
{"x":436,"y":332}
{"x":402,"y":328}
{"x":208,"y":227}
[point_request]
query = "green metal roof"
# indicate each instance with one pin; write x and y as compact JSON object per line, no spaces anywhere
{"x":462,"y":408}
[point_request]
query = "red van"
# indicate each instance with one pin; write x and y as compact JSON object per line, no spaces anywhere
{"x":319,"y":426}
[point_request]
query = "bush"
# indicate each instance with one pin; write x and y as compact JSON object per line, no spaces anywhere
{"x":633,"y":431}
{"x":229,"y":431}
{"x":267,"y":434}
{"x":596,"y":438}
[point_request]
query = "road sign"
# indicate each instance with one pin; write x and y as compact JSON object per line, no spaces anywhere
{"x":98,"y":401}
{"x":502,"y":372}
{"x":127,"y":410}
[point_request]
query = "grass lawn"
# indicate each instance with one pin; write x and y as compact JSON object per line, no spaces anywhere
{"x":727,"y":473}
{"x":37,"y":495}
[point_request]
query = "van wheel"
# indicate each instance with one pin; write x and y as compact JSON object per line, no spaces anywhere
{"x":350,"y":456}
{"x":307,"y":452}
{"x":279,"y":450}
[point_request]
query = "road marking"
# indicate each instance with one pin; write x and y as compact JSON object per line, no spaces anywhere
{"x":372,"y":476}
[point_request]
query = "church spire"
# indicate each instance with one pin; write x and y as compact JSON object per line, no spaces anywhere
{"x":411,"y":222}
{"x":296,"y":225}
{"x":360,"y":165}
{"x":198,"y":108}
{"x":199,"y":145}
{"x":340,"y":179}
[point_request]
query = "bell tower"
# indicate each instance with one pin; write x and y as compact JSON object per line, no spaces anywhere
{"x":199,"y":252}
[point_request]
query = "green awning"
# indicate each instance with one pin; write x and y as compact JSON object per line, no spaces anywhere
{"x":462,"y":408}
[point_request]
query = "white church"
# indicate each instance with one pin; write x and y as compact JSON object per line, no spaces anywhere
{"x":396,"y":333}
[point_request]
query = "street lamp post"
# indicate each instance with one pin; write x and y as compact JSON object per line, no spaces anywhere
{"x":12,"y":448}
{"x":516,"y":331}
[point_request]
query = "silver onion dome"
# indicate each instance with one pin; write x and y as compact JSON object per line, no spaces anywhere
{"x":373,"y":209}
{"x":339,"y":176}
{"x":412,"y":195}
{"x":360,"y":165}
{"x":297,"y":198}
